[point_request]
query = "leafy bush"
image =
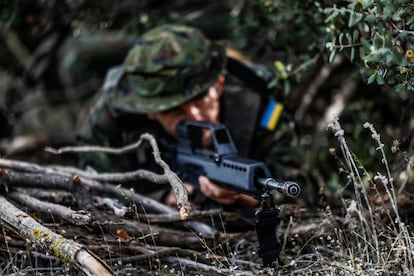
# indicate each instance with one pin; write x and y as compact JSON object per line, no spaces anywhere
{"x":376,"y":34}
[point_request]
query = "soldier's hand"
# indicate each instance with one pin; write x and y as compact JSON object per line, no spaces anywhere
{"x":225,"y":196}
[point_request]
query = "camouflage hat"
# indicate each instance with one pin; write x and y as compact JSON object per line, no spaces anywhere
{"x":168,"y":66}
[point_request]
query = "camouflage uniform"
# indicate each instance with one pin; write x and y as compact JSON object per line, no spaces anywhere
{"x":168,"y":66}
{"x":84,"y":60}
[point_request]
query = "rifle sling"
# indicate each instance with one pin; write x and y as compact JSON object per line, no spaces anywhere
{"x":249,"y":77}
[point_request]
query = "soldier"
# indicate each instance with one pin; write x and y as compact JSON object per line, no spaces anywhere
{"x":174,"y":73}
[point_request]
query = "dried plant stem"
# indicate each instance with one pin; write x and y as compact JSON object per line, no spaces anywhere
{"x":356,"y":178}
{"x":388,"y":183}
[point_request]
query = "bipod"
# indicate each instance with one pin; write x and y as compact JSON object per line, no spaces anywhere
{"x":267,"y":220}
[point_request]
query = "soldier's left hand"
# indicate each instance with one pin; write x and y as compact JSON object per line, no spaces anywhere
{"x":225,"y":196}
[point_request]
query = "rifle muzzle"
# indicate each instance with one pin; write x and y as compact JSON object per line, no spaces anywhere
{"x":288,"y":188}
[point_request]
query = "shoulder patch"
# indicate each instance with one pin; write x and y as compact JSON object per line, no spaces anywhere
{"x":271,"y":115}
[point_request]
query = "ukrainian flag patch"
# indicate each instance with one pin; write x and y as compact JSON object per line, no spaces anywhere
{"x":272,"y":115}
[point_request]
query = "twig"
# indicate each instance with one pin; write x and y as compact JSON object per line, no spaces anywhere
{"x":115,"y":177}
{"x":117,"y":208}
{"x":52,"y":178}
{"x":55,"y":196}
{"x":147,"y":255}
{"x":75,"y":217}
{"x":199,"y":228}
{"x":175,"y":182}
{"x":22,"y":143}
{"x":203,"y":267}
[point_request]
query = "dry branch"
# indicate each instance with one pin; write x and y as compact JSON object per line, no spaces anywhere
{"x":55,"y":196}
{"x":49,"y":241}
{"x":75,"y":217}
{"x":23,"y":174}
{"x":168,"y":176}
{"x":117,"y":208}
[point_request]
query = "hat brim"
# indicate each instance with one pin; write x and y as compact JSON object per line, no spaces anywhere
{"x":134,"y":103}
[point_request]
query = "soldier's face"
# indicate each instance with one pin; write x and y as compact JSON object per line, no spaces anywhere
{"x":205,"y":107}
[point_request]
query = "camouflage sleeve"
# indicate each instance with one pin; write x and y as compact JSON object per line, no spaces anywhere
{"x":98,"y":127}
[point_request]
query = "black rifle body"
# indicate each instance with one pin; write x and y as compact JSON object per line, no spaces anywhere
{"x":221,"y":162}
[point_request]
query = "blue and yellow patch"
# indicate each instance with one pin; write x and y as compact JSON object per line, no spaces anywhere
{"x":272,"y":115}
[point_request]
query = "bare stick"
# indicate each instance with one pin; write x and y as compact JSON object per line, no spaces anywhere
{"x":176,"y":184}
{"x":49,"y":241}
{"x":75,"y":217}
{"x":200,"y":228}
{"x":57,"y":179}
{"x":55,"y":196}
{"x":117,"y":208}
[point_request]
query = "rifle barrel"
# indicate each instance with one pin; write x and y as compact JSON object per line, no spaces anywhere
{"x":288,"y":188}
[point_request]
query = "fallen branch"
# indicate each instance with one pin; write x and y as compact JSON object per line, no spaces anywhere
{"x":116,"y":207}
{"x":23,"y":174}
{"x":49,"y":241}
{"x":75,"y":217}
{"x":168,"y":177}
{"x":55,"y":196}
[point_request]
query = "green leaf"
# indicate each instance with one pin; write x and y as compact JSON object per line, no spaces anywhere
{"x":272,"y":84}
{"x":366,"y":44}
{"x":355,"y":36}
{"x":286,"y":87}
{"x":358,"y":17}
{"x":341,"y":35}
{"x":329,"y":45}
{"x":410,"y":21}
{"x":371,"y":78}
{"x":380,"y":80}
{"x":400,"y":87}
{"x":331,"y":17}
{"x":371,"y":58}
{"x":367,"y":3}
{"x":349,"y":37}
{"x":351,"y":21}
{"x":370,"y":18}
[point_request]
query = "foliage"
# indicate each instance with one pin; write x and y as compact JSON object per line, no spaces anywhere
{"x":289,"y":22}
{"x":376,"y":34}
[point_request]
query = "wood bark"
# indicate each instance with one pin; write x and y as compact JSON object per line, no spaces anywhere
{"x":75,"y":217}
{"x":49,"y":241}
{"x":23,"y":174}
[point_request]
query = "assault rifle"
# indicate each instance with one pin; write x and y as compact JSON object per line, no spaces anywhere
{"x":221,"y":163}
